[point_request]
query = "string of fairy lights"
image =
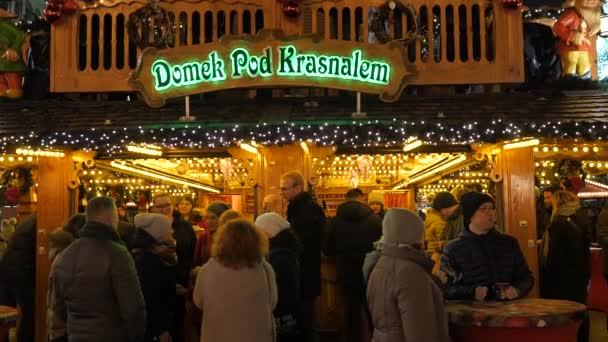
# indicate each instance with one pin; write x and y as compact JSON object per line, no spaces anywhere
{"x":358,"y":133}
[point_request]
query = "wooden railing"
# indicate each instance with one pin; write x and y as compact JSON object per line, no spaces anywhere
{"x":466,"y":41}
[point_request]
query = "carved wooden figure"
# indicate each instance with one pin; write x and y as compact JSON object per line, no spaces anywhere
{"x":575,"y":28}
{"x":12,"y":65}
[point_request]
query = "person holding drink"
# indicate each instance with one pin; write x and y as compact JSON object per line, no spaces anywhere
{"x":484,"y":264}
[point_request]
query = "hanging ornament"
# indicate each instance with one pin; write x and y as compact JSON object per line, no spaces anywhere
{"x":354,"y":178}
{"x":70,"y":6}
{"x":364,"y":165}
{"x":512,"y":4}
{"x":226,"y":168}
{"x":291,"y":8}
{"x":52,"y":13}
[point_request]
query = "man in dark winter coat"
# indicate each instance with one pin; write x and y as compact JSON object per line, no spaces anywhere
{"x":185,"y":239}
{"x":18,"y":274}
{"x":350,"y":237}
{"x":307,"y":219}
{"x":483,"y":263}
{"x":94,"y":291}
{"x":284,"y":256}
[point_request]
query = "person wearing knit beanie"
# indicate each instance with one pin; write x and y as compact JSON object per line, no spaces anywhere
{"x":444,"y":205}
{"x":402,"y":227}
{"x":272,"y":224}
{"x":470,"y":204}
{"x":156,"y":225}
{"x":375,"y":200}
{"x":489,"y":265}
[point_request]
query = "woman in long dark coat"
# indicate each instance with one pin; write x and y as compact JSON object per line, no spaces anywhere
{"x":565,"y":265}
{"x":156,"y":260}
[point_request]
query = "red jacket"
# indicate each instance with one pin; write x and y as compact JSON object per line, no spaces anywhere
{"x":569,"y":23}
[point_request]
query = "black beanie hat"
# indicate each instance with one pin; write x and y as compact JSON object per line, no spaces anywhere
{"x":443,"y":200}
{"x":470,"y":202}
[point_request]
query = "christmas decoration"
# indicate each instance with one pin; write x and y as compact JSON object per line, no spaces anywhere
{"x":575,"y":28}
{"x":12,"y":63}
{"x":153,"y":19}
{"x":226,"y":167}
{"x":364,"y":165}
{"x":386,"y":14}
{"x":13,"y":184}
{"x":291,"y":8}
{"x":512,"y":4}
{"x":52,"y":12}
{"x":569,"y":174}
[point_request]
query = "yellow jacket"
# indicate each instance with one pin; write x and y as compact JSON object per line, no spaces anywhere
{"x":435,"y":232}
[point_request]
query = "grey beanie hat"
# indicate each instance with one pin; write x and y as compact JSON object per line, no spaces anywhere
{"x":402,"y":226}
{"x":156,"y":225}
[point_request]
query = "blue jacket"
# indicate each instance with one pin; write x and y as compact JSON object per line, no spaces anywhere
{"x":484,"y":260}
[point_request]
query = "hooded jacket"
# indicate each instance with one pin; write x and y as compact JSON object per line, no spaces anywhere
{"x":351,"y":236}
{"x":158,"y":278}
{"x":565,"y":264}
{"x":484,"y":260}
{"x":404,"y":301}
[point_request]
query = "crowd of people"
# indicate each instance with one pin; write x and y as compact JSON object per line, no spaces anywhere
{"x":158,"y":279}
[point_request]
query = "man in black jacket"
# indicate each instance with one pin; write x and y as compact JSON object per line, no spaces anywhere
{"x":307,"y":220}
{"x":350,"y":237}
{"x":483,"y":263}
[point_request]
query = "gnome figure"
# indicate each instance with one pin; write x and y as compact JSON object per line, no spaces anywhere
{"x":13,"y":43}
{"x":579,"y":23}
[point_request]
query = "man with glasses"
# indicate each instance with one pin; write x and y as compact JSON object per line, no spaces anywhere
{"x":185,"y":239}
{"x":307,"y":219}
{"x":484,"y":264}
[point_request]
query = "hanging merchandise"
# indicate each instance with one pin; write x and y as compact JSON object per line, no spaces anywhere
{"x":291,"y":8}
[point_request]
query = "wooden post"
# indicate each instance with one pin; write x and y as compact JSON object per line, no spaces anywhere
{"x":53,"y":211}
{"x":519,"y":204}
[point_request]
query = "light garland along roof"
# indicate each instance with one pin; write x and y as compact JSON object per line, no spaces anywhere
{"x":107,"y":127}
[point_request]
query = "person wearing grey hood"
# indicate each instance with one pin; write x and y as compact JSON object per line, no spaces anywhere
{"x":565,"y":264}
{"x":283,"y":255}
{"x":405,"y":302}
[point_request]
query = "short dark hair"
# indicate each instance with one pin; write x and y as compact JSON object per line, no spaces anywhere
{"x":354,"y":194}
{"x":99,"y":206}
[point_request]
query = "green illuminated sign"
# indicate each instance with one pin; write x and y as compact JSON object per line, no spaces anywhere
{"x":272,"y":60}
{"x":290,"y":63}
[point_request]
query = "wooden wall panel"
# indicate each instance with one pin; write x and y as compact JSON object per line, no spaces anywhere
{"x":518,"y":199}
{"x":53,"y":211}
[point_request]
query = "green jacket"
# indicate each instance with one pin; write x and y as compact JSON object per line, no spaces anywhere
{"x":11,"y":38}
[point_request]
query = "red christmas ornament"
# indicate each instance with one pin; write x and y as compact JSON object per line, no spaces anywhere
{"x":70,"y":6}
{"x":52,"y":13}
{"x":512,"y":4}
{"x":291,"y":8}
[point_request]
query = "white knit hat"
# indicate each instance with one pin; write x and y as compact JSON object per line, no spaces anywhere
{"x":402,"y":226}
{"x":272,"y":223}
{"x":157,"y":225}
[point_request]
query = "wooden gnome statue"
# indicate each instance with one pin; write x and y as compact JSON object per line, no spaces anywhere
{"x":574,"y":29}
{"x":12,"y":44}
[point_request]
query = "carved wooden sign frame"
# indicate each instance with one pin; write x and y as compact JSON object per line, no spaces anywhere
{"x":270,"y":59}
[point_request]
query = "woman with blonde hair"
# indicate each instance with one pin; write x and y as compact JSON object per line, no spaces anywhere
{"x":236,"y":288}
{"x":565,"y":265}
